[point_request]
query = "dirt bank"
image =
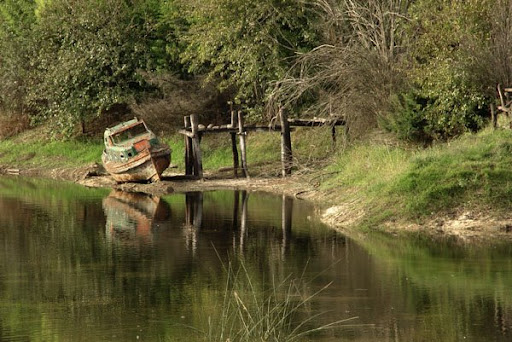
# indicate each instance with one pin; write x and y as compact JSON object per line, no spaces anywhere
{"x":346,"y":216}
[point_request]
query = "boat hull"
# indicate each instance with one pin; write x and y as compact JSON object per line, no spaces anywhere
{"x":147,"y":165}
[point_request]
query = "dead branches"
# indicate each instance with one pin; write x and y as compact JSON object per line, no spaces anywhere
{"x":353,"y":72}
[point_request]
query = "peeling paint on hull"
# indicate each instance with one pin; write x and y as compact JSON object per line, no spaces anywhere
{"x":147,"y":165}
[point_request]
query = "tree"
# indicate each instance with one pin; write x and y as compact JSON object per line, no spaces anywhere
{"x":356,"y":65}
{"x":17,"y":18}
{"x":245,"y":45}
{"x":443,"y":64}
{"x":88,"y":59}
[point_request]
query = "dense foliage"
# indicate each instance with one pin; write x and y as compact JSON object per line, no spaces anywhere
{"x":425,"y":69}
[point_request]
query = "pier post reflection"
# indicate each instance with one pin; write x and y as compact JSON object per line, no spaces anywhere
{"x":286,"y":222}
{"x":243,"y":220}
{"x":193,"y":218}
{"x":131,"y":218}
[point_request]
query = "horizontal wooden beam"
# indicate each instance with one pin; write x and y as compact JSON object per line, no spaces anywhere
{"x":316,"y":122}
{"x":189,"y":133}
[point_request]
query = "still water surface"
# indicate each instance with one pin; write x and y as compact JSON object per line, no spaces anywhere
{"x":94,"y":265}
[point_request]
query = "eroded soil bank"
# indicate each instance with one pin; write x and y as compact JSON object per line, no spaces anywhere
{"x":344,"y":215}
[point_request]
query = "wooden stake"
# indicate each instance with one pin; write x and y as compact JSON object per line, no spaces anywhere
{"x":196,"y":148}
{"x":189,"y":158}
{"x":286,"y":144}
{"x":243,"y":149}
{"x":234,"y":149}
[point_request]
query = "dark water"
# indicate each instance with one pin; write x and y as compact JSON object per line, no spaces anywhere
{"x":93,"y":265}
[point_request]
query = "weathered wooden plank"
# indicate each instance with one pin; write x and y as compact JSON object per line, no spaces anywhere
{"x":316,"y":122}
{"x":186,"y":133}
{"x":226,"y":129}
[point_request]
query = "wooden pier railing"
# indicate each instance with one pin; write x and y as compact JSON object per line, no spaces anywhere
{"x":193,"y":133}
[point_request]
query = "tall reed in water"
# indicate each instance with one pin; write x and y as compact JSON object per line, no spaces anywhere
{"x":250,"y":312}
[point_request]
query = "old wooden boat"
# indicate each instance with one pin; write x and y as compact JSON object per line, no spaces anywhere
{"x":133,"y":153}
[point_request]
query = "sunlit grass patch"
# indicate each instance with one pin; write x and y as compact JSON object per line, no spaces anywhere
{"x":50,"y":153}
{"x":473,"y":171}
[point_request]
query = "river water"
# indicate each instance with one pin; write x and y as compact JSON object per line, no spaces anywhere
{"x":83,"y":264}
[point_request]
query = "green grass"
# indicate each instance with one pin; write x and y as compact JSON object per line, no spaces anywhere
{"x":50,"y":153}
{"x":472,"y":172}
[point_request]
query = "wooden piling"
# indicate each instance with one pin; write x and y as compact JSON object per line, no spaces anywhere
{"x":189,"y":158}
{"x":234,"y":149}
{"x":196,"y":148}
{"x":243,"y":148}
{"x":286,"y":144}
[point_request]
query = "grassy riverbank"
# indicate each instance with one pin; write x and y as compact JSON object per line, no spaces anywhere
{"x":469,"y":175}
{"x":372,"y":184}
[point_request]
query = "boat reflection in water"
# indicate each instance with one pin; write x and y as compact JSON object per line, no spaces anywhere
{"x":130,"y":216}
{"x":136,"y":219}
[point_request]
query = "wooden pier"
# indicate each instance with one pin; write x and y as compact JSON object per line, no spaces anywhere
{"x":193,"y":132}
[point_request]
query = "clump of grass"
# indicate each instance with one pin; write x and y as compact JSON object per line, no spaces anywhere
{"x":250,"y":313}
{"x":368,"y":166}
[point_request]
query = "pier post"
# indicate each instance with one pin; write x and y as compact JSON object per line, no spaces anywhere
{"x":243,"y":148}
{"x":198,"y":160}
{"x":286,"y":144}
{"x":189,"y":158}
{"x":234,"y":149}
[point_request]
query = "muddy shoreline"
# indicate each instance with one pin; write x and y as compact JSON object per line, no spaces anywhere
{"x":462,"y":226}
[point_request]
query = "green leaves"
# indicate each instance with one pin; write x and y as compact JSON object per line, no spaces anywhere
{"x":453,"y":99}
{"x":89,"y":55}
{"x":245,"y":44}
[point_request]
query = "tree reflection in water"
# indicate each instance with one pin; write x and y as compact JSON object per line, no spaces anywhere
{"x":83,"y":264}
